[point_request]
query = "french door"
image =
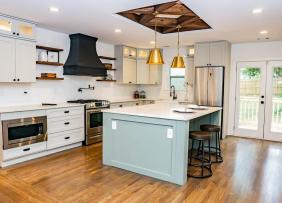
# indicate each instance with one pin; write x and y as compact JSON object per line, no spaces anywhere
{"x":259,"y":100}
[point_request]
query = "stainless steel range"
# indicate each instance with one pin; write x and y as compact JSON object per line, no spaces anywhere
{"x":93,"y":119}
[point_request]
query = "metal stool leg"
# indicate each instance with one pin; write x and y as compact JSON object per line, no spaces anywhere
{"x":191,"y":153}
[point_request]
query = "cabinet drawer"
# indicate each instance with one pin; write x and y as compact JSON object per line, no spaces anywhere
{"x":65,"y":138}
{"x":53,"y":113}
{"x":24,"y":150}
{"x":64,"y":123}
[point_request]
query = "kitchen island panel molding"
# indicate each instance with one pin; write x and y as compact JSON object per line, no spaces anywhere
{"x":142,"y":145}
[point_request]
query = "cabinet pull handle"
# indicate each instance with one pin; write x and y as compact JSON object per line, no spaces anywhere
{"x":120,"y":105}
{"x":66,"y":111}
{"x":66,"y":138}
{"x":67,"y":123}
{"x":26,"y":149}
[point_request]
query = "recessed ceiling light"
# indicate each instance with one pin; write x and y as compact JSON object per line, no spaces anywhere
{"x":53,"y":9}
{"x":257,"y":10}
{"x":152,"y":42}
{"x":117,"y":30}
{"x":263,"y":32}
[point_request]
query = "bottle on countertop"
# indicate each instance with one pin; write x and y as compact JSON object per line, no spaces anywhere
{"x":142,"y":94}
{"x":136,"y":94}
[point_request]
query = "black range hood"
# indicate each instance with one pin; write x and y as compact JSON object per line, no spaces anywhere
{"x":83,"y":59}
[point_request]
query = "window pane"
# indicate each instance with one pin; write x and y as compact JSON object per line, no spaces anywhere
{"x":249,"y":98}
{"x":178,"y":82}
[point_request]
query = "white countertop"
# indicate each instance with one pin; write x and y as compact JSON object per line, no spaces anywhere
{"x":164,"y":110}
{"x":122,"y":100}
{"x":19,"y":108}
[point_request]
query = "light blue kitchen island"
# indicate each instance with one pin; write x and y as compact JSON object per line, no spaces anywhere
{"x":152,"y":139}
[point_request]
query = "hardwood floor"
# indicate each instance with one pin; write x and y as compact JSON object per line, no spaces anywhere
{"x":251,"y":172}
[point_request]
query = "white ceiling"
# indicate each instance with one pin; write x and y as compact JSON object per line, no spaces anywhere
{"x":231,"y":20}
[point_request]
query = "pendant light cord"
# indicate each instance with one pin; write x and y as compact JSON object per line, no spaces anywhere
{"x":178,"y":42}
{"x":156,"y":33}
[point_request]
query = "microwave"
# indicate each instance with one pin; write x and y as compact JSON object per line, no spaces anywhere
{"x":24,"y":131}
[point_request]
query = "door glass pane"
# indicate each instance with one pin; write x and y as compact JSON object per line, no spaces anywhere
{"x":5,"y":25}
{"x":26,"y":30}
{"x":276,"y":124}
{"x":249,"y":98}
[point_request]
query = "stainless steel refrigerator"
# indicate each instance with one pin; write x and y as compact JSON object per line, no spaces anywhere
{"x":209,"y":85}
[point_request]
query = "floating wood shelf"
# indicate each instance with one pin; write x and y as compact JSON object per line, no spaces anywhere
{"x":106,"y":57}
{"x":49,"y":63}
{"x":49,"y":48}
{"x":106,"y":80}
{"x":45,"y":78}
{"x":113,"y":69}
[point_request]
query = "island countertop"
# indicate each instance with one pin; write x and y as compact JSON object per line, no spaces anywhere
{"x":163,"y":110}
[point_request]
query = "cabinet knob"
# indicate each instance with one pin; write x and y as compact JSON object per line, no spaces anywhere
{"x":14,"y":80}
{"x":18,"y":34}
{"x":120,"y":105}
{"x":129,"y":82}
{"x":14,"y":33}
{"x":18,"y":79}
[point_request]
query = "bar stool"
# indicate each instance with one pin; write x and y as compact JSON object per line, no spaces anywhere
{"x":215,"y":131}
{"x":205,"y":164}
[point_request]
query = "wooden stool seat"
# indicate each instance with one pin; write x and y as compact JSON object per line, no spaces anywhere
{"x":214,"y":130}
{"x":210,"y":128}
{"x":200,"y":135}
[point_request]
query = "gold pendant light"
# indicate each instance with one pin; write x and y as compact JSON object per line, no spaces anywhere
{"x":155,"y":56}
{"x":178,"y":61}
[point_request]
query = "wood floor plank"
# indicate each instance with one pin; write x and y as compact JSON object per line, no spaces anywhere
{"x":251,"y":172}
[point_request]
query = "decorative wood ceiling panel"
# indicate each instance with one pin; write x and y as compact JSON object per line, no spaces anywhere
{"x":167,"y":16}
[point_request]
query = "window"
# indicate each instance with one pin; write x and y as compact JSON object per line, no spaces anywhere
{"x":177,"y":78}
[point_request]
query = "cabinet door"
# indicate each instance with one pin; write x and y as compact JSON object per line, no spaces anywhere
{"x":217,"y":53}
{"x":129,"y":52}
{"x":25,"y":30}
{"x":129,"y":71}
{"x":25,"y":61}
{"x":7,"y":59}
{"x":202,"y":54}
{"x":155,"y":74}
{"x":142,"y":54}
{"x":143,"y":72}
{"x":6,"y":26}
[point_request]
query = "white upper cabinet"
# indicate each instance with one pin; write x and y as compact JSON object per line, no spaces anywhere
{"x":217,"y":52}
{"x":155,"y":74}
{"x":7,"y":60}
{"x":211,"y":53}
{"x":132,"y":67}
{"x":25,"y":61}
{"x":6,"y":26}
{"x":129,"y":71}
{"x":202,"y":54}
{"x":143,"y":72}
{"x":14,"y":27}
{"x":17,"y":60}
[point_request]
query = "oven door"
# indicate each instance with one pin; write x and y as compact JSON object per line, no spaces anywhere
{"x":20,"y":132}
{"x":94,"y":121}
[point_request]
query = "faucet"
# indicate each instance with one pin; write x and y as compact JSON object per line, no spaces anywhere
{"x":172,"y":92}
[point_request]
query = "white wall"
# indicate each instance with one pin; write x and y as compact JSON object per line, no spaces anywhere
{"x":263,"y":51}
{"x":61,"y":91}
{"x":162,"y":91}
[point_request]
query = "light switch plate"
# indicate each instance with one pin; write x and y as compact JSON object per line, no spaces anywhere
{"x":114,"y":125}
{"x":169,"y":134}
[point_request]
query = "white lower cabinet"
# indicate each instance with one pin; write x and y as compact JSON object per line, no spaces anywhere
{"x":23,"y":151}
{"x":65,"y":138}
{"x":64,"y":123}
